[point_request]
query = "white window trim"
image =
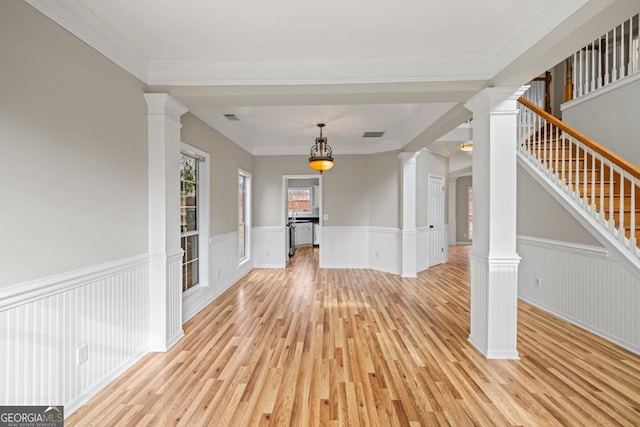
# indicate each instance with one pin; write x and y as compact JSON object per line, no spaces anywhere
{"x":247,"y":211}
{"x":204,"y":217}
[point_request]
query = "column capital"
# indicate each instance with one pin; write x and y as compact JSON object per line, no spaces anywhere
{"x":408,"y":157}
{"x":163,"y":104}
{"x":492,"y":99}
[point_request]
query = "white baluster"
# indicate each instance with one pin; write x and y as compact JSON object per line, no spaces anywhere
{"x":632,"y":236}
{"x":564,"y":176}
{"x":630,"y":66}
{"x":621,"y":207}
{"x":614,"y":75}
{"x":593,"y":66}
{"x":593,"y":179}
{"x":601,"y":160}
{"x":606,"y":71}
{"x":599,"y":77}
{"x":585,"y":176}
{"x":612,"y":222}
{"x":556,"y":169}
{"x":574,"y":71}
{"x":571,"y":157}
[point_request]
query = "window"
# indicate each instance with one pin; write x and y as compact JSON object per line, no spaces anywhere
{"x":189,"y":234}
{"x":244,"y":214}
{"x":194,"y":217}
{"x":300,"y":200}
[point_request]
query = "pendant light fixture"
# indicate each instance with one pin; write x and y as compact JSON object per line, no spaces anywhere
{"x":466,"y":146}
{"x":320,"y":155}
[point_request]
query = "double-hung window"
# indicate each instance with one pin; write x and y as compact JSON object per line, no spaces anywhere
{"x":194,"y":217}
{"x":244,"y":215}
{"x":189,"y":233}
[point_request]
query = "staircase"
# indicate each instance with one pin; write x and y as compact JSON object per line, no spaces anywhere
{"x":604,"y":186}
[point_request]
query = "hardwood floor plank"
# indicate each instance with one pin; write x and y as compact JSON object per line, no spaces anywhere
{"x":305,"y":347}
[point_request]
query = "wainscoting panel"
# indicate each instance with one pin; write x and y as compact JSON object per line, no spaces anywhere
{"x":224,"y":271}
{"x":385,"y":249}
{"x":269,"y":247}
{"x":345,"y":247}
{"x":422,"y":250}
{"x":45,"y":323}
{"x":584,"y":285}
{"x":174,"y":299}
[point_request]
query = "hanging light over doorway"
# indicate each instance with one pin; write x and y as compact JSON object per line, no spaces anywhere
{"x":320,"y":155}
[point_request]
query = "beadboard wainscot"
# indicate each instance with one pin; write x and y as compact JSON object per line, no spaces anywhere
{"x":345,"y":247}
{"x":225,"y":269}
{"x":47,"y":323}
{"x":269,"y":247}
{"x":593,"y":289}
{"x":385,"y":249}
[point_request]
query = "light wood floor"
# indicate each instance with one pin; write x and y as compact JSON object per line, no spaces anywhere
{"x":303,"y":346}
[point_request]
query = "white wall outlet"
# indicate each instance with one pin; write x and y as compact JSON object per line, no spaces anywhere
{"x":82,"y":354}
{"x":537,"y":282}
{"x":377,"y":254}
{"x":267,"y":253}
{"x":219,"y":273}
{"x":325,"y":217}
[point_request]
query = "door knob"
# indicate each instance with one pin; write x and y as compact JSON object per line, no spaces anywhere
{"x":431,"y":226}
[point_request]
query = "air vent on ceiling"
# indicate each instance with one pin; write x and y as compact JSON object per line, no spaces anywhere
{"x":377,"y":134}
{"x":232,"y":117}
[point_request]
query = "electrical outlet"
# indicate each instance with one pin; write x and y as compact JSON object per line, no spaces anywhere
{"x":82,"y":354}
{"x":376,"y":254}
{"x":267,"y":253}
{"x":219,"y":273}
{"x":325,"y":217}
{"x":537,"y":282}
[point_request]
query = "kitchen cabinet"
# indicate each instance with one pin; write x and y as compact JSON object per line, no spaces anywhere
{"x":304,"y":234}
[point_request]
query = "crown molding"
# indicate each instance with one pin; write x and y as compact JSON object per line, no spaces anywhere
{"x":367,"y":70}
{"x":82,"y":23}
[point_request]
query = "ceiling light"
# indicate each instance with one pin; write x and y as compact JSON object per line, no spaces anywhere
{"x":320,"y":155}
{"x":466,"y":146}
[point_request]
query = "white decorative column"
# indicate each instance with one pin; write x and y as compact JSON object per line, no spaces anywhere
{"x":494,"y":261}
{"x":409,"y":233}
{"x":165,"y":288}
{"x":453,"y":213}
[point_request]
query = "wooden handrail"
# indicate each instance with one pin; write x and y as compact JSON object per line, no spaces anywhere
{"x":613,"y":157}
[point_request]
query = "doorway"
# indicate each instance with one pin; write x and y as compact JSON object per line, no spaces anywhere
{"x":435,"y":219}
{"x":302,"y":213}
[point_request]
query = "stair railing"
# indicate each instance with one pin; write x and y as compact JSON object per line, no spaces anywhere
{"x":611,"y":57}
{"x":601,"y":182}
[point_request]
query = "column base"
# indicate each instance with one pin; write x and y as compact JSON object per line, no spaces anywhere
{"x":494,"y":304}
{"x":409,"y":257}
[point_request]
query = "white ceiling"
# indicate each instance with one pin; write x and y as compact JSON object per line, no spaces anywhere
{"x":194,"y":48}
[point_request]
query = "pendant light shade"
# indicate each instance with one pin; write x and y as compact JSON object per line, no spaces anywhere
{"x":320,"y":158}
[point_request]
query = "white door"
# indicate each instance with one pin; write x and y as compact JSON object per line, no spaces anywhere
{"x":435,"y":219}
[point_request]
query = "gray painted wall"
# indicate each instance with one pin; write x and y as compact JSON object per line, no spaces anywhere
{"x":611,"y":119}
{"x":267,"y":186}
{"x":226,"y":158}
{"x":540,"y":215}
{"x":360,"y":190}
{"x":73,"y":152}
{"x":462,"y":208}
{"x":383,"y":181}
